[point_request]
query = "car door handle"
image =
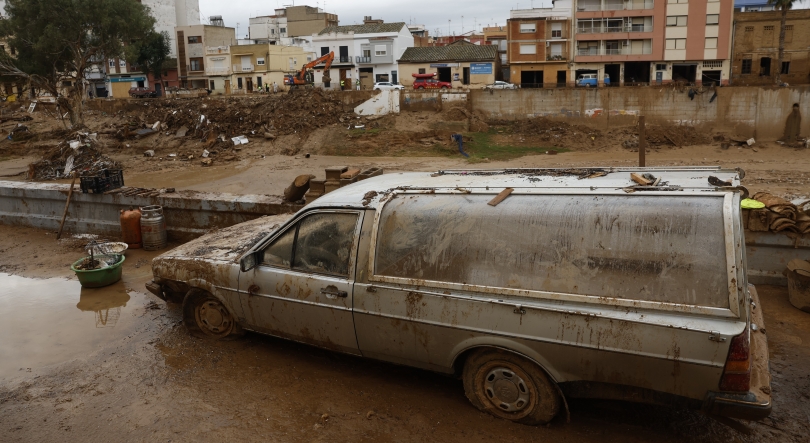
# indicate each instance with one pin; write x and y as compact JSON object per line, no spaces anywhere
{"x":334,"y":292}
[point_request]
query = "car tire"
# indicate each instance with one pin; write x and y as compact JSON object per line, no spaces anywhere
{"x":420,"y":87}
{"x":510,"y":387}
{"x":206,"y":317}
{"x":445,"y":87}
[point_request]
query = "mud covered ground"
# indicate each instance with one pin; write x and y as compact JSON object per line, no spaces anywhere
{"x":143,"y":378}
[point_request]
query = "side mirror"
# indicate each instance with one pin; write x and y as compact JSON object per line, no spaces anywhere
{"x":248,"y":262}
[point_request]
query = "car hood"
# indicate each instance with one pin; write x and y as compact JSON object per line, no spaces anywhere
{"x":228,"y":244}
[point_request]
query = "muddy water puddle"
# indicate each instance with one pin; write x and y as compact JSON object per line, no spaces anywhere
{"x":49,"y":321}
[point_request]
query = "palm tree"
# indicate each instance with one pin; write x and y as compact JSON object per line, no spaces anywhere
{"x":782,"y":5}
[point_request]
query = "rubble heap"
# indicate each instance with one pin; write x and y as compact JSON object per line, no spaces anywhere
{"x":81,"y":153}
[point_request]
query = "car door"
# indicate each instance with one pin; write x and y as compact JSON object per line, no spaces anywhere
{"x":302,"y":286}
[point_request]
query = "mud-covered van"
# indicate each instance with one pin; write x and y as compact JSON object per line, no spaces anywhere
{"x":531,"y":285}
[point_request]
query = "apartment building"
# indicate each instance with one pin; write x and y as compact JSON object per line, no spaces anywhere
{"x":756,"y":47}
{"x":498,"y":36}
{"x":539,"y":42}
{"x":368,"y":52}
{"x":191,"y":51}
{"x":289,"y":23}
{"x":654,"y":41}
{"x":170,"y":14}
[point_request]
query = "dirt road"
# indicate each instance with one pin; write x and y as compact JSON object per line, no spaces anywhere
{"x":117,"y":365}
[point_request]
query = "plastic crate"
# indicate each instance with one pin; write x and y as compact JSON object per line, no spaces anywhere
{"x":106,"y":180}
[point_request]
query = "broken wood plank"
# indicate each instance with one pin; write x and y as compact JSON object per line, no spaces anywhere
{"x":638,"y":178}
{"x":501,"y":197}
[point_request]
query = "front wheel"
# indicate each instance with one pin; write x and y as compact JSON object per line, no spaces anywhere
{"x":510,"y":387}
{"x":206,"y":317}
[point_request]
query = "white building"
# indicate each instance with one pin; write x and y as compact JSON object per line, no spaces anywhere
{"x":170,"y":14}
{"x":368,"y":52}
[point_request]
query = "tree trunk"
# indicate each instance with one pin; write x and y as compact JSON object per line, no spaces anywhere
{"x":778,"y":76}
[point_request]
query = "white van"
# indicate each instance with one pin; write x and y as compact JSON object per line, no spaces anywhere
{"x":531,"y":285}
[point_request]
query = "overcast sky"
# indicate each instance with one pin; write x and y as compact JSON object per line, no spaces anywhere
{"x":433,"y":15}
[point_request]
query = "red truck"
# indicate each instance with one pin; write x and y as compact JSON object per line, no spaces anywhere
{"x":426,"y":81}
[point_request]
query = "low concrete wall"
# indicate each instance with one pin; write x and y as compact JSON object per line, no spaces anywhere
{"x":384,"y":103}
{"x":431,"y":100}
{"x":768,"y":254}
{"x":189,"y":214}
{"x":748,"y":111}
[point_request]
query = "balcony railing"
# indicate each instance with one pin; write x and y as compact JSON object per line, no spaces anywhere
{"x":198,"y":68}
{"x":243,"y":68}
{"x":609,"y":29}
{"x":361,"y":59}
{"x":345,"y":59}
{"x":217,"y":49}
{"x":217,"y":70}
{"x":612,"y":51}
{"x":616,"y":6}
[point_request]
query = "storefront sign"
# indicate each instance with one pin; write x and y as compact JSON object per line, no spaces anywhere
{"x":444,"y":65}
{"x":480,"y":68}
{"x":127,"y":79}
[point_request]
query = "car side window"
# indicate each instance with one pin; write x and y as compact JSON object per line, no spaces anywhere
{"x":324,"y":243}
{"x":279,"y":253}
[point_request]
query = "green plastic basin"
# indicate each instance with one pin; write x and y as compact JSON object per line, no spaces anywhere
{"x":98,"y":278}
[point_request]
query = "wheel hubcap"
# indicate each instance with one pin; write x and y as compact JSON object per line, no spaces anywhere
{"x":213,"y":318}
{"x":506,"y":390}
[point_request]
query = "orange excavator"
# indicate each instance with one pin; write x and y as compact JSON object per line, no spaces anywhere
{"x":305,"y":77}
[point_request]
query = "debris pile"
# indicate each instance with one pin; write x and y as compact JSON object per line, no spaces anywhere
{"x":81,"y":153}
{"x":778,"y":215}
{"x":560,"y":134}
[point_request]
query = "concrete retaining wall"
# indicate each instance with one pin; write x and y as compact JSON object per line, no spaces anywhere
{"x":189,"y":214}
{"x":384,"y":103}
{"x":748,"y":111}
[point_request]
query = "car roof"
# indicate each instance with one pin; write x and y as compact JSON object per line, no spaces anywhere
{"x":593,"y":179}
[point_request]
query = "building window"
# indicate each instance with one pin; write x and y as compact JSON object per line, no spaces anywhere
{"x":711,"y":43}
{"x":421,"y":70}
{"x":676,"y":20}
{"x":260,"y":61}
{"x":749,"y":29}
{"x":556,"y":30}
{"x":112,"y":63}
{"x":195,"y":64}
{"x":660,"y":66}
{"x":211,"y":85}
{"x":528,"y":27}
{"x":768,"y":28}
{"x":528,"y":49}
{"x":676,"y":43}
{"x":380,"y":50}
{"x":712,"y":19}
{"x":677,"y":1}
{"x":785,"y":68}
{"x":324,"y":50}
{"x":713,"y":64}
{"x":239,"y":82}
{"x":746,"y":66}
{"x":196,"y":39}
{"x":272,"y":31}
{"x":282,"y":30}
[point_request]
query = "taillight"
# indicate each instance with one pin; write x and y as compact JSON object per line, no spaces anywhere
{"x":737,"y":373}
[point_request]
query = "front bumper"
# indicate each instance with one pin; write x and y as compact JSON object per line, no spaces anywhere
{"x":156,"y":288}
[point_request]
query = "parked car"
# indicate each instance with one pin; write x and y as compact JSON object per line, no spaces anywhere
{"x":567,"y":287}
{"x":431,"y":83}
{"x":142,"y":92}
{"x":501,"y":85}
{"x":591,"y":80}
{"x":386,"y":86}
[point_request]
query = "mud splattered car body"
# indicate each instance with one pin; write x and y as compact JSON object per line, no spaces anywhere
{"x":601,"y":287}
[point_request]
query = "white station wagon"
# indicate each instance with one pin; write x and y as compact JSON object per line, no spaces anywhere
{"x":531,"y":285}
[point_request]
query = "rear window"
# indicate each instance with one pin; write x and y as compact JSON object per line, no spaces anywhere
{"x":653,"y":248}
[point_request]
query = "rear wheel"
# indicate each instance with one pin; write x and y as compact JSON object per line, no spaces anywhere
{"x":206,"y":317}
{"x":510,"y":387}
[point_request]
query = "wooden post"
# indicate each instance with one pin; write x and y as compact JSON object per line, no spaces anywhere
{"x":67,"y":205}
{"x":642,"y":142}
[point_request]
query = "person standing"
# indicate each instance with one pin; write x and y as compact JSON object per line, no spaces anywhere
{"x":793,"y":126}
{"x":358,"y":83}
{"x":275,"y":87}
{"x":342,"y":84}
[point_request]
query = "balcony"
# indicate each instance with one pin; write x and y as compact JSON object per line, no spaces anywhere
{"x":556,"y":57}
{"x":361,"y":60}
{"x":608,"y":29}
{"x":218,"y":71}
{"x":344,"y":59}
{"x":591,"y":6}
{"x":243,"y":68}
{"x":623,"y":50}
{"x":217,"y":49}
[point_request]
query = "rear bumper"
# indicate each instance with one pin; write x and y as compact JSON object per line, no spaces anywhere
{"x":746,"y":407}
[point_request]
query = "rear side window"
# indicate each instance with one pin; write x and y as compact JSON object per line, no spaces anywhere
{"x":663,"y":249}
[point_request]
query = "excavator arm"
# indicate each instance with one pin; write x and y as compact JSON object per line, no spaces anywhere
{"x":300,"y":79}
